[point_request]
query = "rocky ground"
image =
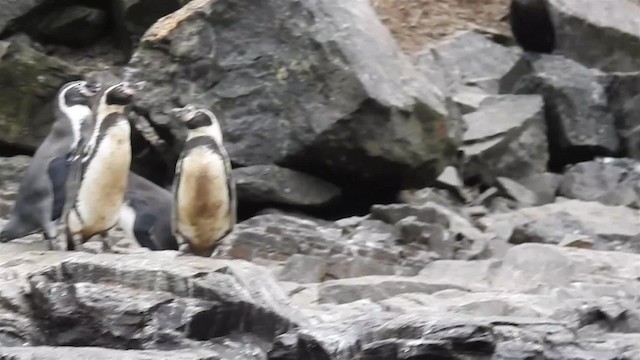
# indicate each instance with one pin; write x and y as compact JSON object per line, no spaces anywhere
{"x":464,"y":202}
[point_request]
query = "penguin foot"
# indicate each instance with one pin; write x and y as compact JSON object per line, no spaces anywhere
{"x":184,"y":250}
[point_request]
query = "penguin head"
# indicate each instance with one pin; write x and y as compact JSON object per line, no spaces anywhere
{"x":119,"y":95}
{"x":77,"y":93}
{"x":199,"y":121}
{"x":115,"y":98}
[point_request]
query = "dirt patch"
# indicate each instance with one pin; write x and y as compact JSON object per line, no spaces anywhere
{"x":418,"y":22}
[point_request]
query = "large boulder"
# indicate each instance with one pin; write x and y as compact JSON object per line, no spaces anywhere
{"x":614,"y":226}
{"x":294,"y":84}
{"x":62,"y":26}
{"x":133,"y":17}
{"x":278,"y":185}
{"x":623,"y":91}
{"x":30,"y":81}
{"x":580,"y":124}
{"x":14,"y":9}
{"x":609,"y":181}
{"x":469,"y":58}
{"x":506,"y":137}
{"x":599,"y":34}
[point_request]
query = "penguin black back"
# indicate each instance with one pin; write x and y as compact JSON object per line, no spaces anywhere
{"x":531,"y":25}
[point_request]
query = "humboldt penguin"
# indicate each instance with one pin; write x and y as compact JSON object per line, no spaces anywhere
{"x":104,"y":169}
{"x":146,"y":214}
{"x":204,"y":195}
{"x":42,"y":194}
{"x":531,"y":26}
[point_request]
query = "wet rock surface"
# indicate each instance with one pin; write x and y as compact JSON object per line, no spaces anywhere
{"x":278,"y":185}
{"x":445,"y":206}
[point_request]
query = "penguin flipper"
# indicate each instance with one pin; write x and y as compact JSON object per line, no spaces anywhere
{"x":58,"y":170}
{"x":72,"y":183}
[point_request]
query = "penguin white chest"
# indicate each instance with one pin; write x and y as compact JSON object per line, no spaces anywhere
{"x":104,"y":183}
{"x":203,"y":203}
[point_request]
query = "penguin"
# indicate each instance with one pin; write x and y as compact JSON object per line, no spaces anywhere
{"x":531,"y":26}
{"x":103,"y":171}
{"x":146,"y":214}
{"x":204,"y":194}
{"x":42,"y":192}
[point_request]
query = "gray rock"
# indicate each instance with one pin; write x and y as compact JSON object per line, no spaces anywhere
{"x":153,"y":304}
{"x":13,"y":9}
{"x":609,"y":181}
{"x":450,"y":179}
{"x":62,"y":26}
{"x":274,"y":184}
{"x":598,"y":34}
{"x":544,"y":185}
{"x":374,"y":288}
{"x":623,"y":91}
{"x":425,"y":195}
{"x":517,"y":191}
{"x":474,"y":274}
{"x":506,"y":138}
{"x":133,"y":17}
{"x":303,"y":269}
{"x":306,"y":82}
{"x":470,"y":58}
{"x":613,"y":223}
{"x":580,"y":123}
{"x":393,"y":213}
{"x":554,"y":229}
{"x":469,"y":99}
{"x":11,"y":171}
{"x":30,"y":82}
{"x":80,"y":353}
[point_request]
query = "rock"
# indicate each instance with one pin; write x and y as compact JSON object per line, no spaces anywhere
{"x":79,"y":353}
{"x":425,"y":195}
{"x":11,"y":171}
{"x":623,"y":91}
{"x":303,"y":269}
{"x":153,"y":305}
{"x":133,"y":17}
{"x":74,"y":26}
{"x":30,"y":82}
{"x":450,"y":179}
{"x":577,"y":241}
{"x":271,"y":90}
{"x":393,"y":213}
{"x":374,"y":288}
{"x":274,"y":184}
{"x":607,"y":34}
{"x":469,"y":99}
{"x":14,"y":9}
{"x":365,"y":247}
{"x":531,"y":25}
{"x":536,"y":266}
{"x":609,"y":181}
{"x":580,"y":124}
{"x":609,"y":223}
{"x":507,"y":138}
{"x":473,"y":274}
{"x":544,"y":185}
{"x":553,"y":229}
{"x":518,"y":192}
{"x":471,"y":59}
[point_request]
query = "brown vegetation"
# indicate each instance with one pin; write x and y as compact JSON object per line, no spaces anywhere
{"x":417,"y":22}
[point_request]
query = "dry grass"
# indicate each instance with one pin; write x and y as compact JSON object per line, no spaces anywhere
{"x":418,"y":22}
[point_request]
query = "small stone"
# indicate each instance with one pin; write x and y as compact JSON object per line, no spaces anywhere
{"x":303,"y":269}
{"x":577,"y":241}
{"x":486,"y":196}
{"x":516,"y":191}
{"x":544,"y":185}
